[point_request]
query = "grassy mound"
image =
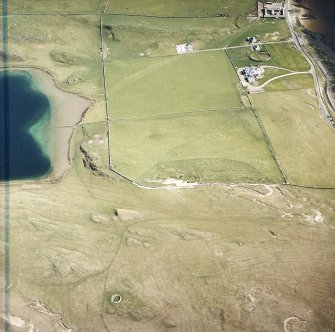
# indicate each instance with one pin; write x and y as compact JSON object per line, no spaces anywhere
{"x":260,"y":57}
{"x":69,"y":58}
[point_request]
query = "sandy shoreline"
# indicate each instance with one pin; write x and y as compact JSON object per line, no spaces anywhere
{"x":67,"y":110}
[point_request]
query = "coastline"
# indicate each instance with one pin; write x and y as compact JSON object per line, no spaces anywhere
{"x":67,"y":111}
{"x":305,"y":23}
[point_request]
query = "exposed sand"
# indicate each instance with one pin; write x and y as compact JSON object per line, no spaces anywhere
{"x":67,"y":110}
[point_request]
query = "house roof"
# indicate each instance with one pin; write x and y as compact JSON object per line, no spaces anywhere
{"x":184,"y":48}
{"x":274,"y":6}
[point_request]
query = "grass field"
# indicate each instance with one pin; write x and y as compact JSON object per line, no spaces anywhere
{"x":55,"y":6}
{"x":163,"y":135}
{"x":295,"y":82}
{"x":303,"y":143}
{"x":262,"y":30}
{"x":182,"y":7}
{"x":140,"y":7}
{"x":271,"y":73}
{"x":283,"y":55}
{"x":225,"y":146}
{"x":149,"y":87}
{"x":135,"y":37}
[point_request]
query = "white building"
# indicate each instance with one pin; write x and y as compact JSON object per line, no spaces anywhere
{"x":252,"y":74}
{"x":184,"y":48}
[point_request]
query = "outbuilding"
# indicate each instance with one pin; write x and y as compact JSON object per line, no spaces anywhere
{"x":273,"y":9}
{"x":184,"y":48}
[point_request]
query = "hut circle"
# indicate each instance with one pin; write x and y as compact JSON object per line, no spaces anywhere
{"x":116,"y":298}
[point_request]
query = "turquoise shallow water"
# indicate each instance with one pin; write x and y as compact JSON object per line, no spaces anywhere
{"x":24,"y":125}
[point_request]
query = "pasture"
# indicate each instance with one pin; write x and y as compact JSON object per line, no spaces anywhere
{"x":224,"y":146}
{"x":182,"y":8}
{"x":55,"y":6}
{"x":303,"y":143}
{"x":177,"y":84}
{"x":294,"y":82}
{"x":182,"y":117}
{"x":129,"y":37}
{"x":262,"y":30}
{"x":283,"y":55}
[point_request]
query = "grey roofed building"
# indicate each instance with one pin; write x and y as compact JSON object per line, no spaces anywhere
{"x":250,"y":79}
{"x":252,"y":73}
{"x":273,"y":9}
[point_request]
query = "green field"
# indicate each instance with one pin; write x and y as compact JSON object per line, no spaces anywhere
{"x":303,"y":143}
{"x":263,"y":31}
{"x":271,"y":73}
{"x":187,"y":8}
{"x":294,"y":82}
{"x":140,"y":7}
{"x":149,"y":87}
{"x":226,"y":146}
{"x":193,"y":127}
{"x":283,"y":55}
{"x":55,"y":6}
{"x":135,"y":37}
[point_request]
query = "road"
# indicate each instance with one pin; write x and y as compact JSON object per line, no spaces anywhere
{"x":298,"y":43}
{"x":281,"y":76}
{"x":282,"y":68}
{"x":243,"y":46}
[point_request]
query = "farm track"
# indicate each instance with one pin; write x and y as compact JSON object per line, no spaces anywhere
{"x":285,"y":75}
{"x":141,"y":73}
{"x":276,"y":67}
{"x":243,"y":46}
{"x":178,"y":114}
